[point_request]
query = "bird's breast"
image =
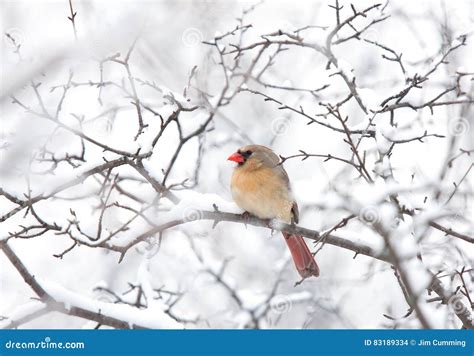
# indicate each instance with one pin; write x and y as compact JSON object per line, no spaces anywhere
{"x":262,"y":193}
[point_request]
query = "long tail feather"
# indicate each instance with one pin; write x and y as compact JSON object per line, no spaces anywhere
{"x":304,"y":260}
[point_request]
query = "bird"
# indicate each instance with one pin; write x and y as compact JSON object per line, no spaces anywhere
{"x":261,"y":187}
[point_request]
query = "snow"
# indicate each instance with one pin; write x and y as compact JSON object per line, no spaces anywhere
{"x":191,"y":203}
{"x":286,"y":26}
{"x":21,"y":312}
{"x":258,"y":262}
{"x":167,"y":110}
{"x":383,"y":130}
{"x":144,"y":278}
{"x":370,"y":99}
{"x":346,"y":68}
{"x":292,"y":298}
{"x":154,"y":319}
{"x":176,"y":96}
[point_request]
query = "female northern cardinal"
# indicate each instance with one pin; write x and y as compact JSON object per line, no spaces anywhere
{"x":261,"y":187}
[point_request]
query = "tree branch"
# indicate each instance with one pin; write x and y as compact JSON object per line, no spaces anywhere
{"x":98,"y":316}
{"x":359,"y":248}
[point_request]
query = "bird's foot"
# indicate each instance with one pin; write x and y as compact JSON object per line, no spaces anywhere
{"x":268,"y":223}
{"x":246,"y":215}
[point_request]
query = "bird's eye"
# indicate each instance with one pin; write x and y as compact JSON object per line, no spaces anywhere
{"x":248,"y":152}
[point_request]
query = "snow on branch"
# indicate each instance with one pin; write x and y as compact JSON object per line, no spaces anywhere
{"x":56,"y":298}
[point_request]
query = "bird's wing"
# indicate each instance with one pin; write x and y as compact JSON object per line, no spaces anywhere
{"x":280,"y":171}
{"x":272,"y":160}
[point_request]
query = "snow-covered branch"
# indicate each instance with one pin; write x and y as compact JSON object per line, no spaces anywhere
{"x":58,"y":299}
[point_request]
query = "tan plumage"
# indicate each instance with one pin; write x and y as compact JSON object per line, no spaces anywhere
{"x":260,"y":186}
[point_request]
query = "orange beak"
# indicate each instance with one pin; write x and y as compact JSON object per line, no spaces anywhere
{"x":236,"y":157}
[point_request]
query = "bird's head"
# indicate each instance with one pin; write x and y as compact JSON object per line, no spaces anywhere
{"x":253,"y":157}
